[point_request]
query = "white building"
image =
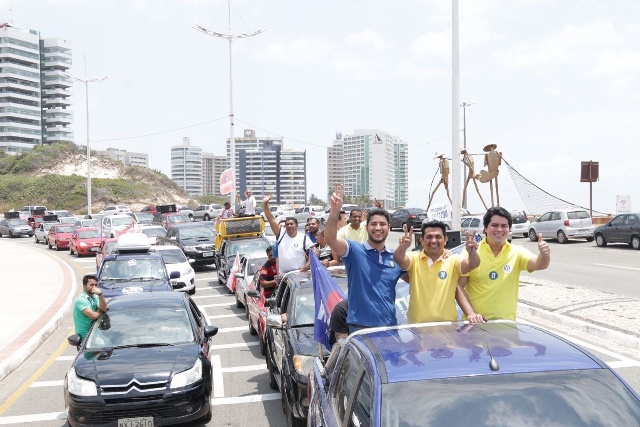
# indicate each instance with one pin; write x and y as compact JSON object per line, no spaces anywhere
{"x":373,"y":163}
{"x":56,"y":94}
{"x":186,"y":167}
{"x":212,"y":168}
{"x":126,"y":157}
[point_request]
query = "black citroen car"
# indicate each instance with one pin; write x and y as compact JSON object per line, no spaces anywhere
{"x":143,"y":363}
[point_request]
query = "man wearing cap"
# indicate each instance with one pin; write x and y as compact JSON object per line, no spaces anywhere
{"x":249,"y":203}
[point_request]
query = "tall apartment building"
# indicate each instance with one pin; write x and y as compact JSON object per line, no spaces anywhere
{"x":212,"y":168}
{"x":126,"y":157}
{"x":34,"y":90}
{"x":186,"y":167}
{"x":373,"y":163}
{"x":263,"y":165}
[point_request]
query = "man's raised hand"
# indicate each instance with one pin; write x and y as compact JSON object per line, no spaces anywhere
{"x":267,"y":197}
{"x":543,"y":246}
{"x":336,"y":201}
{"x":405,"y":240}
{"x":471,"y":244}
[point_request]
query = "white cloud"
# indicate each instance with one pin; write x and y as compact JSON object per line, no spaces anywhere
{"x":432,"y":43}
{"x":367,"y":37}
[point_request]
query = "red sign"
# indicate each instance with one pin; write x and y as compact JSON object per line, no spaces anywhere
{"x":227,"y":183}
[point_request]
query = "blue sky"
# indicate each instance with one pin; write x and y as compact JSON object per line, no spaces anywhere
{"x":552,"y":82}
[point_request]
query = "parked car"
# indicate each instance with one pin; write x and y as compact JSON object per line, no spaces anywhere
{"x":15,"y":227}
{"x":623,"y":228}
{"x":186,"y":210}
{"x":144,"y":363}
{"x":256,"y":310}
{"x":273,"y":209}
{"x":107,"y":247}
{"x":249,"y":266}
{"x":141,"y":217}
{"x":153,"y":232}
{"x":175,"y":260}
{"x":563,"y":224}
{"x":521,"y":224}
{"x":41,"y":233}
{"x":207,"y":212}
{"x":306,"y":212}
{"x":85,"y":241}
{"x":229,"y":247}
{"x":59,"y":236}
{"x":67,"y":220}
{"x":411,"y":217}
{"x":494,"y":374}
{"x":196,"y":240}
{"x":133,"y":269}
{"x":150,"y":209}
{"x":168,"y":219}
{"x":290,"y":347}
{"x":94,"y":216}
{"x":115,"y":210}
{"x":285,"y":210}
{"x":61,"y":213}
{"x":88,"y":223}
{"x":113,"y":225}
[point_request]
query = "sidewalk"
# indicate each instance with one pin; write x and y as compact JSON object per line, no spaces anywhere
{"x":35,"y":295}
{"x":38,"y":291}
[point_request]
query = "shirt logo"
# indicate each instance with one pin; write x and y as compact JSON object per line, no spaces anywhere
{"x":507,"y":268}
{"x":442,"y":275}
{"x":493,"y":275}
{"x":295,"y":245}
{"x":392,"y":264}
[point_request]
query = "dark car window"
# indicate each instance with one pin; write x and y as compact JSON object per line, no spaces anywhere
{"x":475,"y":222}
{"x":578,"y":215}
{"x":151,"y":268}
{"x":618,"y":220}
{"x":346,"y":384}
{"x":154,"y":232}
{"x":173,"y":256}
{"x":555,"y":216}
{"x":65,"y":229}
{"x":630,"y":220}
{"x":197,"y":314}
{"x":545,"y":217}
{"x":593,"y":397}
{"x":196,"y":233}
{"x":361,"y":414}
{"x":88,"y":234}
{"x":518,"y":217}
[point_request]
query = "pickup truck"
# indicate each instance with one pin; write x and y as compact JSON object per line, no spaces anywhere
{"x":196,"y":240}
{"x":312,"y":211}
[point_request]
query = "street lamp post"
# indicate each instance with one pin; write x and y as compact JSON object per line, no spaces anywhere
{"x":229,"y":36}
{"x":464,"y":145}
{"x":86,"y":82}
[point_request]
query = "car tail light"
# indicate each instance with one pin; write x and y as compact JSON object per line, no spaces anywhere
{"x":313,"y":213}
{"x":412,"y":216}
{"x":566,"y":222}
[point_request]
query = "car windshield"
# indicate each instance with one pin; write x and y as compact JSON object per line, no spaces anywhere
{"x":578,"y":215}
{"x":65,"y":229}
{"x":177,"y":218}
{"x":154,"y":232}
{"x":89,"y":222}
{"x":196,"y":233}
{"x":146,"y":325}
{"x":132,"y":268}
{"x":88,"y":234}
{"x":518,"y":217}
{"x":122,"y":221}
{"x":255,"y":264}
{"x":110,"y":247}
{"x":303,"y":309}
{"x":16,"y":222}
{"x":415,"y":211}
{"x":144,"y":217}
{"x":173,"y":256}
{"x":593,"y":397}
{"x":247,"y":247}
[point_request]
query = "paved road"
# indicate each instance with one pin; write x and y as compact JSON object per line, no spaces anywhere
{"x":33,"y":393}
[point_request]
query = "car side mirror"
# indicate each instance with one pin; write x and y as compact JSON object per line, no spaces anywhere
{"x":270,"y":302}
{"x":253,"y":294}
{"x":274,"y":321}
{"x":74,"y":340}
{"x":174,"y":275}
{"x":210,"y":331}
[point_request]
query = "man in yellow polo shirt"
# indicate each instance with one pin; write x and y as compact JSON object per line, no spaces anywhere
{"x":433,"y":279}
{"x":492,"y":288}
{"x":356,"y":230}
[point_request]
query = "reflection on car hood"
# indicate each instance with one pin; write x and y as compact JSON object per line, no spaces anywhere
{"x":144,"y":365}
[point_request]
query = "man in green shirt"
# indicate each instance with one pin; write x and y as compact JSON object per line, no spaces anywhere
{"x":88,"y":306}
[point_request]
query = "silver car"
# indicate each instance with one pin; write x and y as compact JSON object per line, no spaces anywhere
{"x":563,"y":224}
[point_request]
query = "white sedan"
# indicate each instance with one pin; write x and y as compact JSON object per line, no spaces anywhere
{"x":175,"y":260}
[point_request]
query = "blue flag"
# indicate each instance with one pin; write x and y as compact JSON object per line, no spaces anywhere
{"x":327,"y":294}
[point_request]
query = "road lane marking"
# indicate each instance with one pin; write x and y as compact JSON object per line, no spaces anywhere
{"x":623,"y":364}
{"x":234,"y":329}
{"x":32,"y":418}
{"x":218,"y":381}
{"x":248,"y":368}
{"x":56,"y":383}
{"x":225,"y":304}
{"x":211,"y":296}
{"x":619,"y":266}
{"x":245,"y":399}
{"x":11,"y":400}
{"x":236,"y":345}
{"x":202,"y":279}
{"x":64,"y":358}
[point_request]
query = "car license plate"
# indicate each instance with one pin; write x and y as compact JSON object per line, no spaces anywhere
{"x":207,"y":254}
{"x":136,"y":422}
{"x":93,"y":249}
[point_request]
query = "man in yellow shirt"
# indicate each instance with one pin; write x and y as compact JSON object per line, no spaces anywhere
{"x":356,"y":230}
{"x":492,"y":288}
{"x":433,"y":279}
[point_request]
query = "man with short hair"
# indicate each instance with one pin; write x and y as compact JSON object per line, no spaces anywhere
{"x":268,"y":273}
{"x":371,"y":272}
{"x":492,"y":288}
{"x":433,"y":279}
{"x":88,"y":306}
{"x":313,"y":225}
{"x":355,"y":230}
{"x":249,"y":203}
{"x":292,"y":246}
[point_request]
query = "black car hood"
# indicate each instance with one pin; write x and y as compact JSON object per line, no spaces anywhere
{"x":122,"y":365}
{"x":302,"y":341}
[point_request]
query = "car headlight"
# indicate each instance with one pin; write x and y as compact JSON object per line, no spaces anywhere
{"x":189,"y":248}
{"x":187,"y":377}
{"x":187,"y":271}
{"x":303,"y":364}
{"x":83,"y":244}
{"x":78,"y":386}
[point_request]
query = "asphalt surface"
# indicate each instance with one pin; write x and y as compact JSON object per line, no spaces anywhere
{"x":39,"y":288}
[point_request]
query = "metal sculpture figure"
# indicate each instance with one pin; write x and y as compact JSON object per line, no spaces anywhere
{"x":467,"y":159}
{"x":492,"y":161}
{"x":444,"y":177}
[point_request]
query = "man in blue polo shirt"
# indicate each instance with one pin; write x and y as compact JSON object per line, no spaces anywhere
{"x":371,"y":272}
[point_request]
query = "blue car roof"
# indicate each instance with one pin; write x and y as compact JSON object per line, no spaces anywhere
{"x":422,"y":352}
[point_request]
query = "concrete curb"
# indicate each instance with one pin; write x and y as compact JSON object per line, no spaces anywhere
{"x":626,"y":340}
{"x":25,"y":350}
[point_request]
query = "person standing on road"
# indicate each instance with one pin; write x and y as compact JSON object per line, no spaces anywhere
{"x":371,"y":272}
{"x":88,"y":306}
{"x":433,"y":278}
{"x":355,"y":230}
{"x":249,"y":203}
{"x":492,"y":288}
{"x":292,"y":246}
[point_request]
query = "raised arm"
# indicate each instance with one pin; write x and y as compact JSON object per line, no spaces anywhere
{"x":543,"y":259}
{"x":267,"y":212}
{"x":338,"y":245}
{"x":400,"y":254}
